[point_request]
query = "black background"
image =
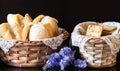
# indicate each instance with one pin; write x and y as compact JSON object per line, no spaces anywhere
{"x":68,"y":12}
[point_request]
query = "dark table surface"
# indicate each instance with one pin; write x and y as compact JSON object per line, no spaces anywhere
{"x":4,"y":67}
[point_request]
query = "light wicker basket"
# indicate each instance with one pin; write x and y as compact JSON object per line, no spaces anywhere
{"x":98,"y":54}
{"x":28,"y":53}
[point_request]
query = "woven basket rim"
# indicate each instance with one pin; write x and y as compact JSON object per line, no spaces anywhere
{"x":93,"y":22}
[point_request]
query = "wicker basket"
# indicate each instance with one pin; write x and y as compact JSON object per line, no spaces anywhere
{"x":28,"y":53}
{"x":98,"y":54}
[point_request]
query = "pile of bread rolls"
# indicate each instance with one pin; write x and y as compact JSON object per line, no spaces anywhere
{"x":24,"y":28}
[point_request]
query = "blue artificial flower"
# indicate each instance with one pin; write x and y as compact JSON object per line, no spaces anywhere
{"x":80,"y":63}
{"x":56,"y":56}
{"x":53,"y":61}
{"x":65,"y":57}
{"x":64,"y":63}
{"x":69,"y":58}
{"x":66,"y":51}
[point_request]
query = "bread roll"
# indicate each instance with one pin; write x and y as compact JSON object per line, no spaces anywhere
{"x":16,"y":25}
{"x":27,"y":21}
{"x":49,"y":29}
{"x":28,"y":18}
{"x":5,"y":31}
{"x":38,"y":32}
{"x":8,"y":35}
{"x":25,"y":32}
{"x":53,"y":23}
{"x":38,"y":19}
{"x":3,"y":28}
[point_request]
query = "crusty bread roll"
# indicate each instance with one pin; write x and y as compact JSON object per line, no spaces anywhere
{"x":49,"y":29}
{"x":53,"y":23}
{"x":38,"y":19}
{"x":16,"y":25}
{"x":27,"y":17}
{"x":5,"y":31}
{"x":27,"y":21}
{"x":3,"y":28}
{"x":8,"y":35}
{"x":25,"y":32}
{"x":38,"y":32}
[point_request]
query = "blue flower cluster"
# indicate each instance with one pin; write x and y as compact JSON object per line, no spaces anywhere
{"x":65,"y":57}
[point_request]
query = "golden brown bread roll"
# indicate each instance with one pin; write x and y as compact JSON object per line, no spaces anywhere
{"x":53,"y":22}
{"x":38,"y":32}
{"x":27,"y":21}
{"x":38,"y":19}
{"x":5,"y":31}
{"x":25,"y":32}
{"x":28,"y":18}
{"x":49,"y":29}
{"x":3,"y":28}
{"x":16,"y":25}
{"x":8,"y":35}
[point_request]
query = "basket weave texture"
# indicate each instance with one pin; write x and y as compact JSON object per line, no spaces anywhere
{"x":28,"y":53}
{"x":98,"y":54}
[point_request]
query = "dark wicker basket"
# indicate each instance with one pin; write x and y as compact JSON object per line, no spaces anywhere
{"x":28,"y":53}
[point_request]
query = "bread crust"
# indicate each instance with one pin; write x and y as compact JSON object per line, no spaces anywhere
{"x":6,"y":32}
{"x":53,"y":23}
{"x":38,"y":19}
{"x":94,"y":31}
{"x":38,"y":32}
{"x":16,"y":25}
